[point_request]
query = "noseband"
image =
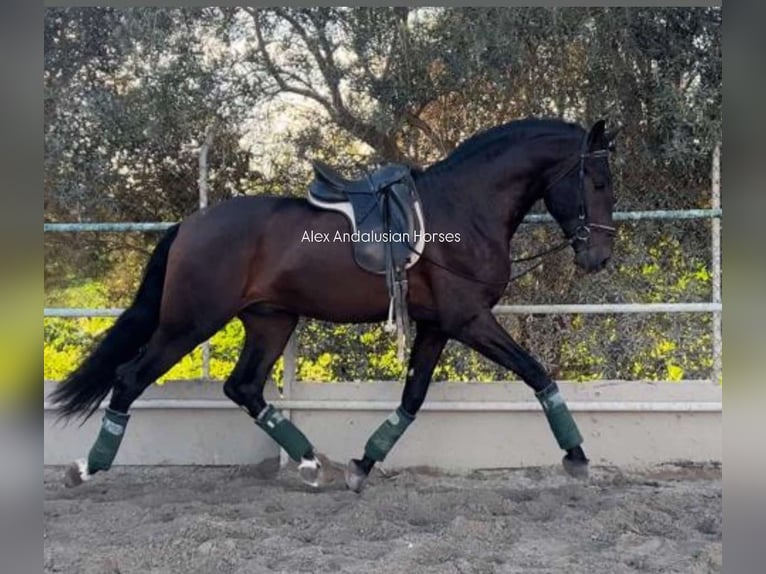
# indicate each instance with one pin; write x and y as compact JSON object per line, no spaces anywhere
{"x":584,"y":226}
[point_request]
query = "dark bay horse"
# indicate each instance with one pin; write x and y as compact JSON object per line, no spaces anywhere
{"x":246,"y":258}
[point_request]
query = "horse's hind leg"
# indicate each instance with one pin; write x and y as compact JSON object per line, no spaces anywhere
{"x":426,"y":350}
{"x":266,"y":334}
{"x":165,"y":348}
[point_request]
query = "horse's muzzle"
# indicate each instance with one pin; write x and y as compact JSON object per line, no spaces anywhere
{"x":593,"y":259}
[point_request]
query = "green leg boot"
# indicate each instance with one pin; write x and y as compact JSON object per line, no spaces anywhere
{"x":295,"y":443}
{"x":285,"y":433}
{"x":107,"y":443}
{"x":103,"y":451}
{"x":559,"y":418}
{"x":386,"y":435}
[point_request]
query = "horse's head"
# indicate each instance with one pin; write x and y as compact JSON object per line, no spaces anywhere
{"x":580,"y":197}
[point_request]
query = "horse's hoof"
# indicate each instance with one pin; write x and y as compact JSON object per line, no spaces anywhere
{"x":76,"y":473}
{"x":355,"y":476}
{"x":575,"y":467}
{"x":310,"y":471}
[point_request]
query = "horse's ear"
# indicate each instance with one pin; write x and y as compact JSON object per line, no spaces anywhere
{"x":596,"y":136}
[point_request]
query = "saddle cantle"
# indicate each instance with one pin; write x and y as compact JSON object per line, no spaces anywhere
{"x":384,"y":202}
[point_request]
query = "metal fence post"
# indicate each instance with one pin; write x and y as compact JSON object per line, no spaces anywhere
{"x":716,"y":266}
{"x":289,"y":373}
{"x":291,"y":366}
{"x":203,"y":195}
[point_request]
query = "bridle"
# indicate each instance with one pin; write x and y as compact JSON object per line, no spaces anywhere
{"x":584,"y":225}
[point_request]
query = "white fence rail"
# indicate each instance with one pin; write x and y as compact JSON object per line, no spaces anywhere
{"x":122,"y":227}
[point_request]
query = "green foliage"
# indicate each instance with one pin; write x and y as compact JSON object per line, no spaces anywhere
{"x":664,"y":348}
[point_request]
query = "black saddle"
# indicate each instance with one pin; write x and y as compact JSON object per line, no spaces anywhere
{"x":384,"y":211}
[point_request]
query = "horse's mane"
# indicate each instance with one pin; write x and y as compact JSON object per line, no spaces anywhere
{"x":507,"y":134}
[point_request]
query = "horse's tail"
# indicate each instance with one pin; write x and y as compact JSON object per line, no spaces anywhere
{"x":83,"y":390}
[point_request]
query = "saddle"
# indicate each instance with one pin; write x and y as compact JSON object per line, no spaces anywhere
{"x":384,"y":211}
{"x":384,"y":203}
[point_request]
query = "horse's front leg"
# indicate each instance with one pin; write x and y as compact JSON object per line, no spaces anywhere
{"x":428,"y":345}
{"x":485,"y":335}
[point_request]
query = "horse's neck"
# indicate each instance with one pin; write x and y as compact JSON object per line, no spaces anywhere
{"x":494,"y":197}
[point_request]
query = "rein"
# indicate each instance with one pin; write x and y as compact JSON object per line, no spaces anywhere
{"x":550,"y":251}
